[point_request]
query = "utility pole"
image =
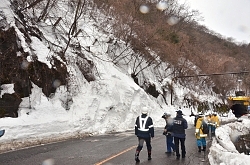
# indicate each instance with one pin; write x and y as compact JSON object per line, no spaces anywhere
{"x":239,"y":81}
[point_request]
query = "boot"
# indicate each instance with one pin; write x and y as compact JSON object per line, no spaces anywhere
{"x":149,"y":156}
{"x":204,"y":148}
{"x":199,"y":148}
{"x":183,"y":154}
{"x":137,"y":156}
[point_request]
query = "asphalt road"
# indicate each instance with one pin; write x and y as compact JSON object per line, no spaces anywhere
{"x":111,"y":149}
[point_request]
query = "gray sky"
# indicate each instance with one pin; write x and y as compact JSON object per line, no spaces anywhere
{"x":230,"y":18}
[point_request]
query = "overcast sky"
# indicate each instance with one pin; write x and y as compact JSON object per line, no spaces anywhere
{"x":230,"y":18}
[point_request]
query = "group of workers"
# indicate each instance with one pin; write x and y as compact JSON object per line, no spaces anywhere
{"x":174,"y":132}
{"x":213,"y":122}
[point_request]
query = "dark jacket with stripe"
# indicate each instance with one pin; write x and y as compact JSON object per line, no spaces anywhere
{"x":144,"y":127}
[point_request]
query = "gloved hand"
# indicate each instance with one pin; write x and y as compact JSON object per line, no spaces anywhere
{"x":197,"y":132}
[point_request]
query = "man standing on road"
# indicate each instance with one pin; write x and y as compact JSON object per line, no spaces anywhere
{"x":200,"y":135}
{"x":144,"y":130}
{"x":168,"y":133}
{"x":216,"y":122}
{"x":179,"y":126}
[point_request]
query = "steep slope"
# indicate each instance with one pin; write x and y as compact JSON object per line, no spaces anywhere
{"x":63,"y":75}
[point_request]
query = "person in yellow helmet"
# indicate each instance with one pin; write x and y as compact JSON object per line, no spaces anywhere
{"x":200,"y":136}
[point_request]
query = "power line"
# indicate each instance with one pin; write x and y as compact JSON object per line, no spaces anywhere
{"x":199,"y":75}
{"x":213,"y":74}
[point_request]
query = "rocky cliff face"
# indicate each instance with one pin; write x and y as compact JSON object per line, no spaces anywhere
{"x":15,"y":69}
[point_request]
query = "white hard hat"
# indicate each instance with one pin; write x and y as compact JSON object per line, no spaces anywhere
{"x":144,"y":110}
{"x":201,"y":115}
{"x":166,"y":114}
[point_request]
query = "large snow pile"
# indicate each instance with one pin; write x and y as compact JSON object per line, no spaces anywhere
{"x":223,"y":150}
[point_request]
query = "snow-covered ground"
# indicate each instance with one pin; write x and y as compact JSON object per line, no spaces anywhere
{"x":47,"y":120}
{"x":108,"y":104}
{"x":223,"y":151}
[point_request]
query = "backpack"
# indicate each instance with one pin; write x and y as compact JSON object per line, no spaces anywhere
{"x":204,"y":127}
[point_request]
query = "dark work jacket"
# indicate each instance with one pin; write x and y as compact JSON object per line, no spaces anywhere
{"x":179,"y":126}
{"x":142,"y":129}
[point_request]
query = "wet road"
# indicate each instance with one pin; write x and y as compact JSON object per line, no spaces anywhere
{"x":111,"y":149}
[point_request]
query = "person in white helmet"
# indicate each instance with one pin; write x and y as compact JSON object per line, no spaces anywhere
{"x":144,"y":130}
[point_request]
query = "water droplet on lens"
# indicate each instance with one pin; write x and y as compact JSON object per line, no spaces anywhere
{"x":56,"y":83}
{"x":162,"y":5}
{"x":48,"y":162}
{"x":25,"y":65}
{"x":144,"y":9}
{"x":173,"y":20}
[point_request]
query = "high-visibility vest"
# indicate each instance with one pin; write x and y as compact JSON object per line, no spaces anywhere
{"x":143,"y":122}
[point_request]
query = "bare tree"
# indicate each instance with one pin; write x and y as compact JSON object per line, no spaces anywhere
{"x":73,"y":28}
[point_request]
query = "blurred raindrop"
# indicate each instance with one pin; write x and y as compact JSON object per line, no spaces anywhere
{"x":48,"y":162}
{"x":56,"y":83}
{"x":173,"y":20}
{"x":25,"y":65}
{"x":234,"y":138}
{"x":144,"y":9}
{"x":162,"y":5}
{"x":243,"y":28}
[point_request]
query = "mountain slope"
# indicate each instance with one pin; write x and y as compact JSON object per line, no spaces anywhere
{"x":59,"y":70}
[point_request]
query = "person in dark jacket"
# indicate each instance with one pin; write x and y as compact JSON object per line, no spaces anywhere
{"x":168,"y":133}
{"x":179,"y":126}
{"x":144,"y":130}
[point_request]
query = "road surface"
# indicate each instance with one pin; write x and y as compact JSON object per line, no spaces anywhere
{"x":111,"y":149}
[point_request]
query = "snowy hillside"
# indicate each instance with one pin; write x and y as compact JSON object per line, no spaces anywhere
{"x":99,"y":96}
{"x":83,"y":107}
{"x":93,"y":100}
